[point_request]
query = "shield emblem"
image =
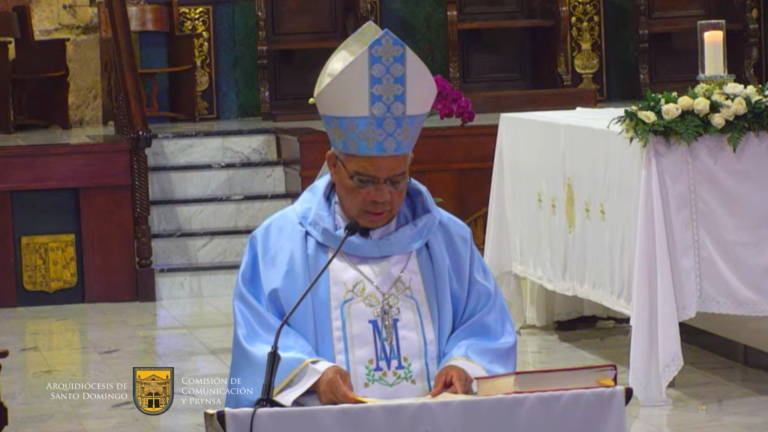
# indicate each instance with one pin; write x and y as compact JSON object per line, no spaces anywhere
{"x":49,"y":263}
{"x":153,"y":389}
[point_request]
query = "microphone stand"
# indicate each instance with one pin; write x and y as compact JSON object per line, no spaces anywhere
{"x":273,"y":358}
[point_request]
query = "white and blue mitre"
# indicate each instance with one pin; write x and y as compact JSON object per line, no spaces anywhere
{"x":374,"y":94}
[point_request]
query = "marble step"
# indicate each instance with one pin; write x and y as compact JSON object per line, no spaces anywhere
{"x":221,"y":148}
{"x":195,"y":248}
{"x":238,"y":212}
{"x":196,"y":281}
{"x":215,"y":180}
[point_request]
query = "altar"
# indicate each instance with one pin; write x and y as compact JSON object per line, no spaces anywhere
{"x":660,"y":233}
{"x":585,"y":410}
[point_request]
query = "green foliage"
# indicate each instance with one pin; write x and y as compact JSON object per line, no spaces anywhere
{"x":381,"y":378}
{"x":709,"y":109}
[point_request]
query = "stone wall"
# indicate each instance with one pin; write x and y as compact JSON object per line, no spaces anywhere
{"x":51,"y":19}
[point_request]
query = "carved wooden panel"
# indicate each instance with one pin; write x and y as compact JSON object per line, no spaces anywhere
{"x":298,"y":71}
{"x":7,"y":259}
{"x":492,"y":55}
{"x":674,"y":56}
{"x":668,"y":49}
{"x":679,"y":8}
{"x":470,"y":7}
{"x":107,"y":232}
{"x":301,"y":17}
{"x":296,"y":38}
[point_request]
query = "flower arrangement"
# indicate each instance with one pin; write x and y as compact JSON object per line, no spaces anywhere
{"x":451,"y":103}
{"x":719,"y":109}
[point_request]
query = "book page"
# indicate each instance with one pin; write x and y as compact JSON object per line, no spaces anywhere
{"x":442,"y":396}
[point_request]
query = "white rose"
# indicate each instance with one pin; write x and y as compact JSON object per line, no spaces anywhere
{"x":741,"y":106}
{"x":719,"y":97}
{"x":753,"y":94}
{"x":734,"y":89}
{"x":686,"y":103}
{"x":647,"y":116}
{"x":701,"y":90}
{"x":717,"y":120}
{"x":728,"y":110}
{"x":701,"y":106}
{"x":629,"y":130}
{"x":671,"y":111}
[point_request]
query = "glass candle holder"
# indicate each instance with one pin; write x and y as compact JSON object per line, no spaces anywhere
{"x":713,"y":54}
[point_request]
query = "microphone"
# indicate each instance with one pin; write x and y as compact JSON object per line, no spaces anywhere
{"x":273,"y":359}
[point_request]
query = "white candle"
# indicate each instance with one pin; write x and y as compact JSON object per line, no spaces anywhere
{"x":714,"y":63}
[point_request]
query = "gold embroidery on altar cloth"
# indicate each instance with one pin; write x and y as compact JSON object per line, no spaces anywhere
{"x":570,"y":204}
{"x":48,"y":263}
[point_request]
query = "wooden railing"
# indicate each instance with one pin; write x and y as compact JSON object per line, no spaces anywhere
{"x":131,"y":124}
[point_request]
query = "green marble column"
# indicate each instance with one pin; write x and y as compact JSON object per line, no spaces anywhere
{"x":237,"y":60}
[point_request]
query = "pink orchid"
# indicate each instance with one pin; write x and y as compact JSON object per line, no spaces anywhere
{"x":451,"y":103}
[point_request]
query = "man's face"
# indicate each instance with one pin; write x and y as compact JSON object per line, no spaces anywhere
{"x":370,"y":189}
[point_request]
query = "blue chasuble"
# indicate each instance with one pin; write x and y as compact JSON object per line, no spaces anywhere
{"x":470,"y":318}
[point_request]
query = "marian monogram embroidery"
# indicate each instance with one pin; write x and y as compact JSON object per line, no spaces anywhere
{"x":387,"y":366}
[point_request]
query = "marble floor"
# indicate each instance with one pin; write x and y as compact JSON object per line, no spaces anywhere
{"x":101,"y":343}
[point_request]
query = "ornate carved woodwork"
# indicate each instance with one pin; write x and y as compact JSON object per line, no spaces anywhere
{"x":35,"y":84}
{"x":182,"y":67}
{"x":198,"y":20}
{"x":668,"y":46}
{"x":498,"y":49}
{"x":295,"y":39}
{"x":131,"y":124}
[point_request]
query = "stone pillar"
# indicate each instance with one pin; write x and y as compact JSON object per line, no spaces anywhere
{"x":78,"y":21}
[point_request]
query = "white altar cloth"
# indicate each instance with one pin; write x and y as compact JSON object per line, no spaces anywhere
{"x":597,"y":410}
{"x":659,"y":234}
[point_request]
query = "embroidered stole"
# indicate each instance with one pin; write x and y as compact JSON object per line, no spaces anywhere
{"x":405,"y":368}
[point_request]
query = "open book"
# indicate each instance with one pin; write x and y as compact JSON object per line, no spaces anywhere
{"x":442,"y":396}
{"x":548,"y":380}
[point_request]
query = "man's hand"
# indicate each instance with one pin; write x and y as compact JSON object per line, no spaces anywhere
{"x":452,"y":379}
{"x":334,"y":387}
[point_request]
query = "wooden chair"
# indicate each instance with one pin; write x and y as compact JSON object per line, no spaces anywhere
{"x":514,"y":55}
{"x":477,"y":224}
{"x":34,"y":86}
{"x":181,"y":70}
{"x":295,"y":39}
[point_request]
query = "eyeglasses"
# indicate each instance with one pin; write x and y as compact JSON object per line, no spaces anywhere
{"x":364,"y":182}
